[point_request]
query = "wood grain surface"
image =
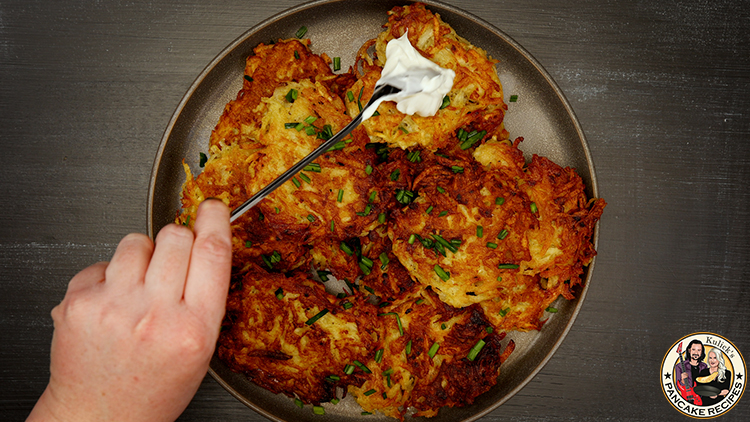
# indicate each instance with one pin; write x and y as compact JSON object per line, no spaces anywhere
{"x":662,"y":90}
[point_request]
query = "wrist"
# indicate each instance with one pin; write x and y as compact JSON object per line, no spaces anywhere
{"x":45,"y":409}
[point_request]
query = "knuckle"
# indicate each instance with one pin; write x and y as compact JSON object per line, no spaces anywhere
{"x":137,"y":240}
{"x":196,"y":343}
{"x":214,"y":245}
{"x":175,"y":232}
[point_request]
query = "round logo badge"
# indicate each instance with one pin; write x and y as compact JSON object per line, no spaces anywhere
{"x":703,"y":375}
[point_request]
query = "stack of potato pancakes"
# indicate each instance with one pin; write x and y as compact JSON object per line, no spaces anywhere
{"x":390,"y":268}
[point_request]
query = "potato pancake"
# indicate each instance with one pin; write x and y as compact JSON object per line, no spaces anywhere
{"x":392,"y":267}
{"x":475,"y":102}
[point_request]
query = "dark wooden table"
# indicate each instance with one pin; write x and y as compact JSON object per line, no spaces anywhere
{"x":662,"y":90}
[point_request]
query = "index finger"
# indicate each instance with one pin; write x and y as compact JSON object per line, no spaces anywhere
{"x":210,"y":262}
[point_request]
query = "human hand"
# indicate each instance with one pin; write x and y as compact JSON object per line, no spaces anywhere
{"x":133,"y":338}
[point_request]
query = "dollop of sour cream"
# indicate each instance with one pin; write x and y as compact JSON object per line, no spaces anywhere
{"x":423,"y":83}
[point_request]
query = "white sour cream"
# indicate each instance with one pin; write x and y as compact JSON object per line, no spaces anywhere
{"x":423,"y":83}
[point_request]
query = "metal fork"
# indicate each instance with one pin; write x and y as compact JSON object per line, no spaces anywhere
{"x":380,"y":91}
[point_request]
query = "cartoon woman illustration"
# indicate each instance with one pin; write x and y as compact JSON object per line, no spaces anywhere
{"x":716,"y":375}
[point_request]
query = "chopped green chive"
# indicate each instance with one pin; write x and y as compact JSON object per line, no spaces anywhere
{"x":446,"y":102}
{"x":305,"y":177}
{"x":429,"y":209}
{"x":368,"y":170}
{"x":366,"y":212}
{"x":333,"y":378}
{"x":385,"y":395}
{"x":398,"y":321}
{"x":291,"y":125}
{"x":480,"y":231}
{"x":419,"y":301}
{"x":313,"y":168}
{"x":279,"y":293}
{"x":383,"y":260}
{"x":503,"y":234}
{"x":338,"y":146}
{"x":349,"y":96}
{"x":310,"y":119}
{"x":341,"y":195}
{"x":475,"y":350}
{"x":489,"y":330}
{"x":296,"y":54}
{"x":441,"y":273}
{"x":408,"y":348}
{"x":301,"y":32}
{"x":311,"y":218}
{"x":414,"y":157}
{"x":499,"y":200}
{"x":444,"y":242}
{"x":370,"y":392}
{"x":326,"y":133}
{"x":403,"y":129}
{"x":504,"y":312}
{"x":344,"y":247}
{"x":336,"y":63}
{"x":457,"y":169}
{"x":310,"y":130}
{"x":433,"y":349}
{"x":203,"y":160}
{"x":319,"y":410}
{"x":248,"y":78}
{"x":349,"y":369}
{"x":333,"y":226}
{"x":412,"y":238}
{"x":367,"y":261}
{"x":292,"y":95}
{"x":347,"y":305}
{"x":373,"y":196}
{"x":395,"y":174}
{"x":443,"y":326}
{"x":439,"y":189}
{"x":534,"y":209}
{"x":299,"y":127}
{"x":551,"y":310}
{"x":404,"y":196}
{"x":381,"y":218}
{"x":248,"y":244}
{"x":365,"y":413}
{"x":508,"y":266}
{"x":472,"y":139}
{"x":492,"y":245}
{"x":296,"y":182}
{"x":443,"y":213}
{"x":379,"y":355}
{"x":317,"y":316}
{"x":361,"y":366}
{"x":335,"y":401}
{"x":299,"y":403}
{"x":513,"y":98}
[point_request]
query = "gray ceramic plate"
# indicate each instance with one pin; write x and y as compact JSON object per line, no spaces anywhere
{"x":541,"y":115}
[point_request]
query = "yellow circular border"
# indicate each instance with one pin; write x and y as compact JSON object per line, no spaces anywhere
{"x":661,"y":374}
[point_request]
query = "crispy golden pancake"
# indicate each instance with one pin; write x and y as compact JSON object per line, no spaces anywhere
{"x":391,"y":268}
{"x":474,"y":103}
